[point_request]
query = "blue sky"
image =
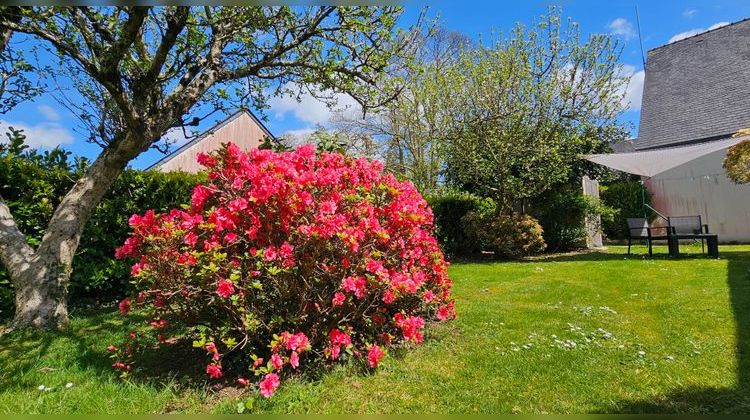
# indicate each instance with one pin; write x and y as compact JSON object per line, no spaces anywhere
{"x":47,"y":123}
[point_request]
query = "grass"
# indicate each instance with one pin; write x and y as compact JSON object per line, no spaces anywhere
{"x":651,"y":335}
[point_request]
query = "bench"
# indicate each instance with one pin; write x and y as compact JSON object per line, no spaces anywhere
{"x":640,"y":229}
{"x":678,"y":228}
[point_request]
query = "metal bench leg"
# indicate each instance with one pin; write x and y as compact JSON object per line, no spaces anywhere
{"x":629,"y":246}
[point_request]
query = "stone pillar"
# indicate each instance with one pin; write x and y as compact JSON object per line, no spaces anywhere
{"x":594,"y":223}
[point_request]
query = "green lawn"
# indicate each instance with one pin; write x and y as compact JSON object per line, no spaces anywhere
{"x":598,"y":332}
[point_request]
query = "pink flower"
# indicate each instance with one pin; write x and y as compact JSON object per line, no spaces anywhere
{"x":242,"y":381}
{"x":269,"y":384}
{"x":374,"y":356}
{"x":375,"y":267}
{"x":294,"y":360}
{"x":298,"y":342}
{"x":338,"y":299}
{"x":276,"y":361}
{"x":328,"y":207}
{"x":355,"y":285}
{"x":238,"y":205}
{"x":389,"y":297}
{"x":445,"y":312}
{"x":200,"y":195}
{"x":225,"y":288}
{"x":206,"y":160}
{"x":230,"y":237}
{"x":410,"y":326}
{"x":214,"y":371}
{"x":191,"y":239}
{"x":270,"y":254}
{"x":111,"y":348}
{"x":124,"y":306}
{"x":257,"y":362}
{"x":286,"y":250}
{"x":211,"y":348}
{"x":339,"y":337}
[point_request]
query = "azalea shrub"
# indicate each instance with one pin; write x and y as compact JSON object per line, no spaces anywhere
{"x":286,"y":260}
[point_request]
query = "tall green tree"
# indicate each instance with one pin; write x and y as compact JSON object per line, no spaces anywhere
{"x":142,"y":71}
{"x":411,"y":131}
{"x":525,"y":107}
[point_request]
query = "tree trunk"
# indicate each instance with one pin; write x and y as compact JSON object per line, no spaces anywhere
{"x":40,"y":277}
{"x":41,"y":289}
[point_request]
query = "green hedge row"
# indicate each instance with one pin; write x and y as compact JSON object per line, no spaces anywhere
{"x":33,"y":184}
{"x":626,"y":196}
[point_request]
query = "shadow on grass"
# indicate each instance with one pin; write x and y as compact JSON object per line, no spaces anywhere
{"x":713,"y":400}
{"x":83,"y":346}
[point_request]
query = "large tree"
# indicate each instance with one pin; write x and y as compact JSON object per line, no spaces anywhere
{"x":527,"y":106}
{"x":141,"y":71}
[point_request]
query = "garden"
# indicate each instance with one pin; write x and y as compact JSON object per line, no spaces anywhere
{"x":429,"y":256}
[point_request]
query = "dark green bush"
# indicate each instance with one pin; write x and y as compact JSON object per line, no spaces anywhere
{"x":625,"y":198}
{"x":448,"y":208}
{"x":508,"y":236}
{"x":562,"y":213}
{"x":32,"y":184}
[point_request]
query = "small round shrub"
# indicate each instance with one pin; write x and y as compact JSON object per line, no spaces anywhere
{"x":737,"y":161}
{"x":287,"y":260}
{"x":508,"y":236}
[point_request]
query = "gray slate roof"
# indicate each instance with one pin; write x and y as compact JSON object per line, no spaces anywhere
{"x":697,"y":89}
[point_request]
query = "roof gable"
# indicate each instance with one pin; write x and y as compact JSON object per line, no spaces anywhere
{"x":240,"y":118}
{"x":697,"y":89}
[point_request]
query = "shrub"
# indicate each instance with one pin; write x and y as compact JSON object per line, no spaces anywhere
{"x":562,"y":214}
{"x":284,"y":260}
{"x":737,"y":161}
{"x":33,"y":184}
{"x":509,"y":236}
{"x":449,"y":207}
{"x":626,"y":200}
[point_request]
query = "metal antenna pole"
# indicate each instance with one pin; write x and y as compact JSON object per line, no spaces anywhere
{"x":640,"y":38}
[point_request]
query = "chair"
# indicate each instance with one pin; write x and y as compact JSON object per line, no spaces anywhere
{"x":689,"y":227}
{"x":639,"y":229}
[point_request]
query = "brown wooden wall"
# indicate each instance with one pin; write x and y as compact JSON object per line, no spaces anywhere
{"x":242,"y":130}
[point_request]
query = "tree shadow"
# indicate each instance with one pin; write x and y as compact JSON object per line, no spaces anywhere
{"x":710,"y":399}
{"x":84,"y":345}
{"x":686,"y":253}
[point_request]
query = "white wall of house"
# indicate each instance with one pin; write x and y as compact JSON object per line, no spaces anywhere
{"x":701,"y":188}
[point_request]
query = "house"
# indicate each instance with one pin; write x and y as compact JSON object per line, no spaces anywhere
{"x":697,"y":91}
{"x":696,"y":96}
{"x":241,"y":128}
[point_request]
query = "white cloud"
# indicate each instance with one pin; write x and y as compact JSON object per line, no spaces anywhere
{"x":49,"y":113}
{"x":696,"y":31}
{"x":310,"y":109}
{"x":622,"y":27}
{"x":633,"y":93}
{"x":45,"y":135}
{"x":689,"y":13}
{"x":297,"y":137}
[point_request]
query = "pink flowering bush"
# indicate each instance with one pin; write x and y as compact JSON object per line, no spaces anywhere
{"x":284,"y":261}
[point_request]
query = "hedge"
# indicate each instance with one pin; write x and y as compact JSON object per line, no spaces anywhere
{"x":626,"y":199}
{"x":33,"y":184}
{"x":448,"y":208}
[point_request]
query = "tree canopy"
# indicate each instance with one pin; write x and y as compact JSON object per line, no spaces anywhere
{"x":143,"y":70}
